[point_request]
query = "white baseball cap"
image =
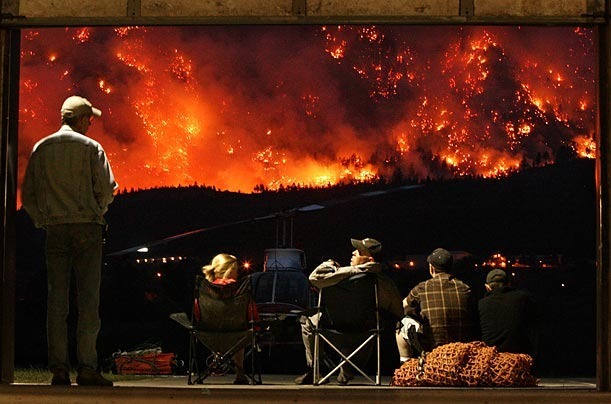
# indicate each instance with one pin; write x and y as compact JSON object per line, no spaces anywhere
{"x":77,"y":106}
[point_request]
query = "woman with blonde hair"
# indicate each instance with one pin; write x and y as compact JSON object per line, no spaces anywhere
{"x":223,"y":269}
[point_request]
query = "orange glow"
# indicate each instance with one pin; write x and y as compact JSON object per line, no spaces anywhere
{"x":104,"y":87}
{"x":356,"y":103}
{"x":82,"y":35}
{"x":583,"y":105}
{"x":402,"y":144}
{"x":585,"y":146}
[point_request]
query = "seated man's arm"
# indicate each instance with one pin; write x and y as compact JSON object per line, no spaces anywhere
{"x":329,"y":273}
{"x":411,"y":304}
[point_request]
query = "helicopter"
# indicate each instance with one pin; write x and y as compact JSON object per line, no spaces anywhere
{"x":280,"y":288}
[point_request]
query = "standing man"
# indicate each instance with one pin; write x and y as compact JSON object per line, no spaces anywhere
{"x":364,"y":260}
{"x":67,"y":188}
{"x":442,"y":307}
{"x":508,"y":316}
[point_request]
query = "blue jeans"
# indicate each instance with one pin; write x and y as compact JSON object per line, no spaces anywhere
{"x":73,"y":247}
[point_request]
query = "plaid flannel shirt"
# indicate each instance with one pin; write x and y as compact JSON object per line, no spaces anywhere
{"x":444,"y":305}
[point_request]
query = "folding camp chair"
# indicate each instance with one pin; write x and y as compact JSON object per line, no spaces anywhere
{"x":348,"y":323}
{"x":223,"y":327}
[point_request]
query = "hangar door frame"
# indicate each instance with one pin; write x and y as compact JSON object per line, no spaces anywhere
{"x":11,"y":24}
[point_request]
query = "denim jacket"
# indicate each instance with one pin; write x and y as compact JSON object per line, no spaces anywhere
{"x":68,"y":180}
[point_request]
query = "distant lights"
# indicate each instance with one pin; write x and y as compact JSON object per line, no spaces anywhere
{"x":497,"y":260}
{"x":404,"y":265}
{"x":159,"y":260}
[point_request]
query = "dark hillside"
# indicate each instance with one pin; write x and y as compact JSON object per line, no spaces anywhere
{"x":544,"y":210}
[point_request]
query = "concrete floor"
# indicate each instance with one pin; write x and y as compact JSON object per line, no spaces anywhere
{"x":280,"y":389}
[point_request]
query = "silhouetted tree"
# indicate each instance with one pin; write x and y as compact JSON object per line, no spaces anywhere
{"x":565,"y":154}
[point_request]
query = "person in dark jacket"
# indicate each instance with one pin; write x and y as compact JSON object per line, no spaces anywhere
{"x":508,"y":316}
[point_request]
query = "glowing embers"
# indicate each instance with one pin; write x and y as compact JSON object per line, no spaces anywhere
{"x":82,"y":35}
{"x":584,"y":146}
{"x":248,"y":108}
{"x":104,"y":87}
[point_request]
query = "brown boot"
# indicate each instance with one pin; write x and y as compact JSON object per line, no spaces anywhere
{"x":306,"y":378}
{"x":61,"y":377}
{"x":240,"y":377}
{"x":89,"y":377}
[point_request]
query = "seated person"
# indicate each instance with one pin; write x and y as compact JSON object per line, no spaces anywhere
{"x":223,"y":270}
{"x":508,"y":317}
{"x":441,"y":307}
{"x":329,"y":273}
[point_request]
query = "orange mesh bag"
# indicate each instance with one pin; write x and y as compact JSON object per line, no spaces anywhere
{"x":409,"y":374}
{"x":509,"y":369}
{"x":444,"y":363}
{"x":478,"y":363}
{"x":466,"y":364}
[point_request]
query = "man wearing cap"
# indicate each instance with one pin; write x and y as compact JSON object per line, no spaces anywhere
{"x":67,"y":188}
{"x":442,"y":306}
{"x":330,"y":273}
{"x":508,"y":317}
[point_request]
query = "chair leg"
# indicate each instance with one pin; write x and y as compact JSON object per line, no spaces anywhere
{"x":193,"y":365}
{"x":255,"y":372}
{"x":347,"y":360}
{"x":220,"y":363}
{"x":316,"y":359}
{"x":254,"y":375}
{"x":253,"y":348}
{"x":378,"y":380}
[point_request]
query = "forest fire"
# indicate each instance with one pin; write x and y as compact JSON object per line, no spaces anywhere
{"x":262,"y":107}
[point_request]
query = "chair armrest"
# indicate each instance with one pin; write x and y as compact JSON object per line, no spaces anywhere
{"x":270,"y":317}
{"x":306,"y":312}
{"x":182,"y":319}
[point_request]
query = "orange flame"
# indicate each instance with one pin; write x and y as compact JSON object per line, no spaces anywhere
{"x":362,"y":103}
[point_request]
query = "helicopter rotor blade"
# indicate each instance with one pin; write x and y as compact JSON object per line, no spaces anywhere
{"x":145,"y":247}
{"x":308,"y":208}
{"x":326,"y":204}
